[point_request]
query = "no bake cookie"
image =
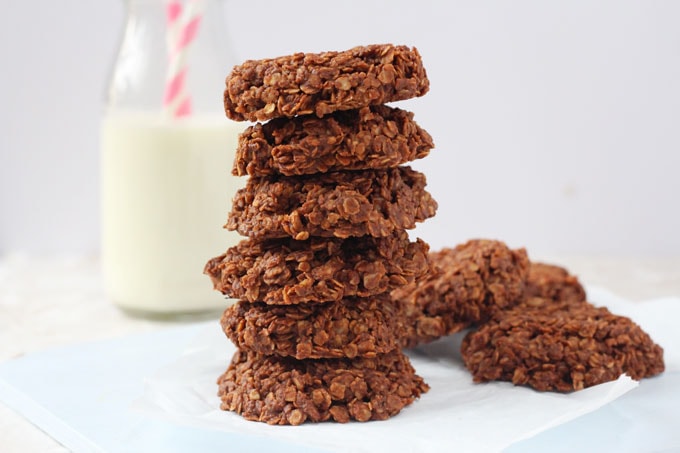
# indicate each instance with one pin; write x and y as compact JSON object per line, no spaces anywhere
{"x":337,"y":204}
{"x":322,"y":83}
{"x":371,"y":137}
{"x":285,"y":391}
{"x":466,"y":285}
{"x":353,"y":327}
{"x":285,"y":271}
{"x":553,"y":282}
{"x":560,"y":350}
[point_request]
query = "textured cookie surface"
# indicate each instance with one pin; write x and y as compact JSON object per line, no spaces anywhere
{"x":285,"y":391}
{"x":321,"y":83}
{"x":466,"y":285}
{"x":285,"y":271}
{"x":356,"y":327}
{"x":562,"y":350}
{"x":372,"y":137}
{"x":337,"y":204}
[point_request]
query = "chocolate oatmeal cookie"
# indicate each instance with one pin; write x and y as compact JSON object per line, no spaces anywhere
{"x":466,"y":285}
{"x":338,"y":204}
{"x":549,"y":289}
{"x":285,"y":391}
{"x":307,"y":83}
{"x":562,"y":350}
{"x":285,"y":271}
{"x":355,"y":327}
{"x":553,"y":282}
{"x":372,"y":137}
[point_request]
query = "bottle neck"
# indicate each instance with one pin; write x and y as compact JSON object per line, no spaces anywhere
{"x":172,"y":55}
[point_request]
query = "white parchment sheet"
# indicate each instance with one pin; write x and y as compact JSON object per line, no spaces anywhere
{"x":455,"y":413}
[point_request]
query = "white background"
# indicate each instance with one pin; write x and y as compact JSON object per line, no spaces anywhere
{"x":557,"y":124}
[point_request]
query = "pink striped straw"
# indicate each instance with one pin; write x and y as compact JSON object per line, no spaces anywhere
{"x":182,"y":26}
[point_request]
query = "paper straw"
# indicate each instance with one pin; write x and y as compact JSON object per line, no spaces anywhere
{"x":182,"y":26}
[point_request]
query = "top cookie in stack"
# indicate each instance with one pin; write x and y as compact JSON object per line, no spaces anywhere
{"x":304,"y":84}
{"x":325,"y":211}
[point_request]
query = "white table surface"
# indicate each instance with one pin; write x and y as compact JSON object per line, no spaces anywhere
{"x":53,"y":301}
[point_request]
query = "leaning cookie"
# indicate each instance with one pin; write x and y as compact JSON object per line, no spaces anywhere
{"x":304,"y":84}
{"x":355,"y":327}
{"x":466,"y":285}
{"x":285,"y":391}
{"x":337,"y":204}
{"x":285,"y":271}
{"x":562,"y":350}
{"x":372,"y":137}
{"x":553,"y":282}
{"x":549,"y":289}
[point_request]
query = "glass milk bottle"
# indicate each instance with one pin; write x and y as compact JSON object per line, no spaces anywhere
{"x":167,"y":150}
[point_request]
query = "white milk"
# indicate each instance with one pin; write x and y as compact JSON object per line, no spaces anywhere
{"x":166,"y":192}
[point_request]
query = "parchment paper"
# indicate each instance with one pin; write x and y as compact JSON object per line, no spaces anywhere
{"x":455,"y":414}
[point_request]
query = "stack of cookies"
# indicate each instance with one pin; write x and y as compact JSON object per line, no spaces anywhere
{"x":325,"y":212}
